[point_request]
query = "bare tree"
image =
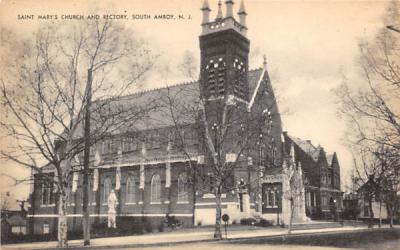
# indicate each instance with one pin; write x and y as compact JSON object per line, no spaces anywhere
{"x":188,"y":65}
{"x":5,"y":203}
{"x":227,"y":132}
{"x":372,"y":109}
{"x":57,"y":72}
{"x":368,"y":172}
{"x":387,"y":184}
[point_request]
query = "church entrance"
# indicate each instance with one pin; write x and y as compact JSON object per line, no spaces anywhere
{"x":271,"y":197}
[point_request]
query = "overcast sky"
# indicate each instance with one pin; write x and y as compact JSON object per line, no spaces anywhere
{"x":309,"y":46}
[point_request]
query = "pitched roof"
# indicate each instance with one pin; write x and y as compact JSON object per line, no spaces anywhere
{"x":155,"y":105}
{"x":253,"y":77}
{"x":16,"y":220}
{"x":307,"y":147}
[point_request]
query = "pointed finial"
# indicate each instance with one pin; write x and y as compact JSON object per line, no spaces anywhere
{"x":206,"y":6}
{"x":219,"y":15}
{"x":265,"y":62}
{"x":242,"y":10}
{"x":206,"y":12}
{"x":292,"y":154}
{"x":242,"y":15}
{"x":229,"y":8}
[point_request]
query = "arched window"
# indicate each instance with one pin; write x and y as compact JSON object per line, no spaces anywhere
{"x":46,"y":228}
{"x":182,"y":187}
{"x":106,"y":189}
{"x":155,"y":188}
{"x":276,"y":193}
{"x":130,"y":190}
{"x":271,"y":198}
{"x":266,"y":197}
{"x":47,"y":193}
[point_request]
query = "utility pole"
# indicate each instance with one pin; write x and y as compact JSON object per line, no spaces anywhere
{"x":86,"y":187}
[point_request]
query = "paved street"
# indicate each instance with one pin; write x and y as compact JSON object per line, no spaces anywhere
{"x":202,"y":235}
{"x":389,"y":245}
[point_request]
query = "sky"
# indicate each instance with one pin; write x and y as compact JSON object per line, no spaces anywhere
{"x":309,"y":45}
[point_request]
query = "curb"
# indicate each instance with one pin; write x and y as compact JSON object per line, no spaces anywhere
{"x":161,"y":244}
{"x":266,"y":238}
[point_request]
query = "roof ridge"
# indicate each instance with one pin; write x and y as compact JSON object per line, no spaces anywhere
{"x":162,"y":87}
{"x":139,"y":92}
{"x":304,"y":141}
{"x":134,"y":94}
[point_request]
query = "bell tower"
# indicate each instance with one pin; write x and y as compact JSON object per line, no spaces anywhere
{"x":224,"y":54}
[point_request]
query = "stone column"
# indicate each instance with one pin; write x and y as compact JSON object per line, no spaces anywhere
{"x":118,"y":189}
{"x":97,"y":184}
{"x":259,"y":192}
{"x":141,"y":187}
{"x":168,"y":186}
{"x":302,"y":199}
{"x":96,"y":193}
{"x":75,"y":180}
{"x":246,"y":204}
{"x":285,"y":194}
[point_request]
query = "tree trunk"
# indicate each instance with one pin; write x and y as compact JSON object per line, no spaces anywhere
{"x":85,"y":211}
{"x":86,"y":188}
{"x":371,"y":214}
{"x":194,"y":196}
{"x":217,"y":233}
{"x":391,"y":213}
{"x":391,"y":218}
{"x":380,"y":214}
{"x":291,"y":215}
{"x":62,"y":221}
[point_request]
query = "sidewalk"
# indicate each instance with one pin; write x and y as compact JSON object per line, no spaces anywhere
{"x":159,"y":239}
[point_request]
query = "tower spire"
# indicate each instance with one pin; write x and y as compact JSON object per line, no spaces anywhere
{"x":229,"y":8}
{"x":219,"y":15}
{"x":206,"y":12}
{"x":242,"y":14}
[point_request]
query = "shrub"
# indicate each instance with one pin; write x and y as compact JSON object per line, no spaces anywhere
{"x":19,"y":238}
{"x":308,"y":212}
{"x":172,"y":222}
{"x":234,"y":222}
{"x":148,"y":227}
{"x":199,"y":223}
{"x":248,"y":221}
{"x":74,"y":235}
{"x":137,"y":227}
{"x":264,"y":223}
{"x":161,"y":227}
{"x":99,"y":229}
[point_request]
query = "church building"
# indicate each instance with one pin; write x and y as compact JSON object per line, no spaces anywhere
{"x":152,"y":177}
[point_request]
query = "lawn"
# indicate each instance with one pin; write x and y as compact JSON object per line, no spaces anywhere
{"x":353,"y":239}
